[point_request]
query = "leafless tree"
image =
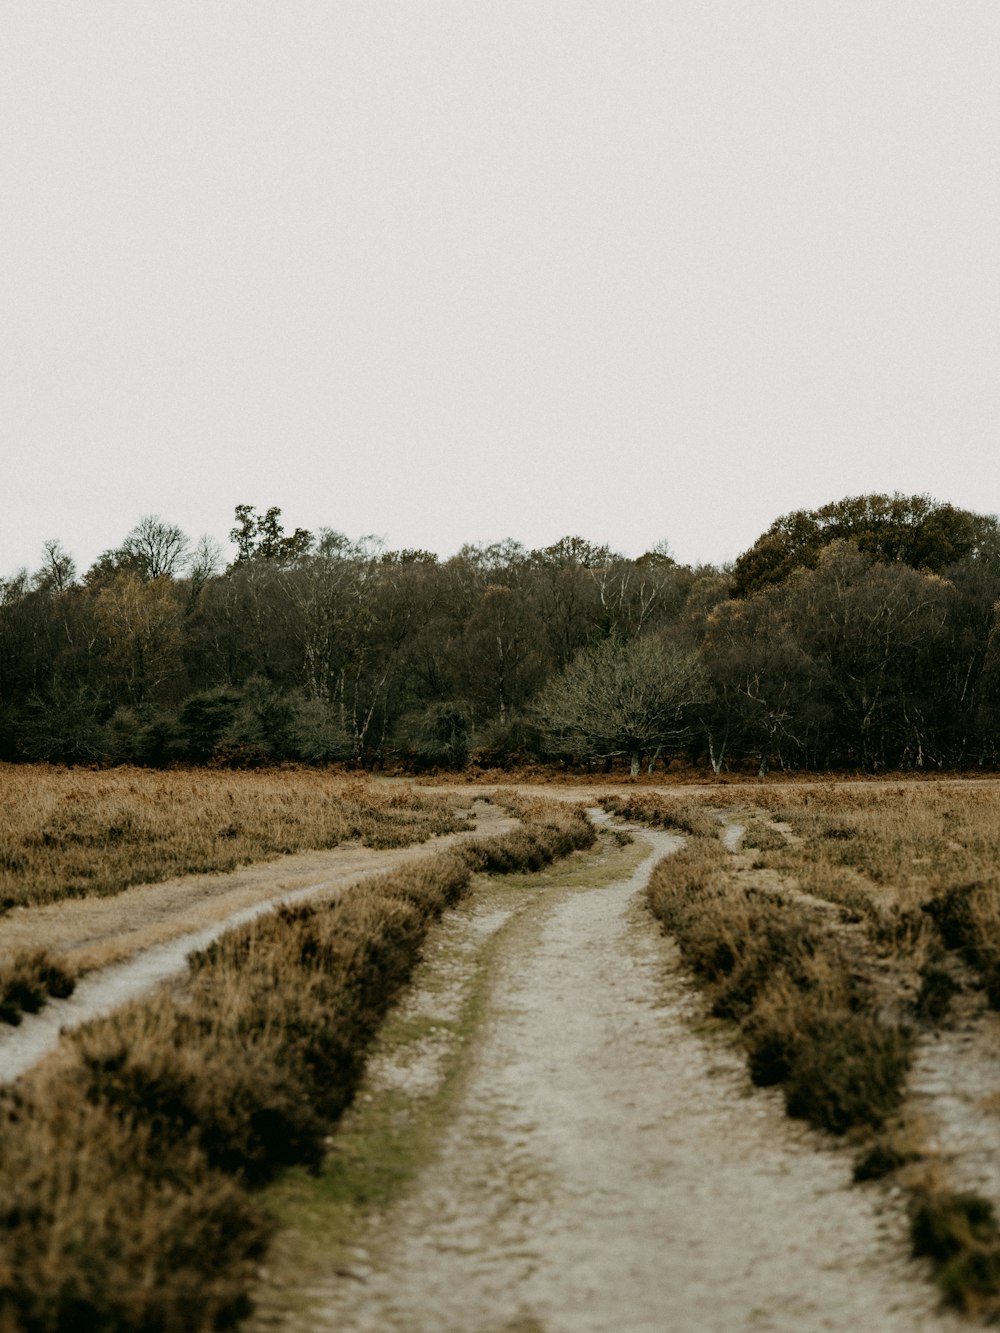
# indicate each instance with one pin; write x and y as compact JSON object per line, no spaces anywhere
{"x":622,"y":698}
{"x":155,"y":549}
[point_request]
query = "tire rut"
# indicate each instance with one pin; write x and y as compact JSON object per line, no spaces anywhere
{"x":105,"y":989}
{"x":610,"y":1166}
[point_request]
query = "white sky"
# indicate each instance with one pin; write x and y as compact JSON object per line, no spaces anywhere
{"x":453,"y":272}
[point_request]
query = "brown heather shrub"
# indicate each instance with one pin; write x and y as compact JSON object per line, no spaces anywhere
{"x":959,"y":1234}
{"x":28,"y":980}
{"x":968,"y":918}
{"x":100,"y":1229}
{"x":847,"y":1069}
{"x":805,"y":1013}
{"x":72,"y":833}
{"x":124,"y":1170}
{"x":894,"y":1147}
{"x":906,"y":839}
{"x":668,"y":812}
{"x":762,"y":836}
{"x":904,"y":857}
{"x":551,"y":829}
{"x":294,"y":998}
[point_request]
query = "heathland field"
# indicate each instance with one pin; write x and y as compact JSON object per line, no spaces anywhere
{"x":414,"y":1098}
{"x":71,"y":833}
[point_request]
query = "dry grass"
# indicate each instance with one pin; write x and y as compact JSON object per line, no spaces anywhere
{"x":828,"y":1007}
{"x":125,"y":1168}
{"x":657,"y":811}
{"x":807,"y":1013}
{"x":73,"y":833}
{"x":920,"y":863}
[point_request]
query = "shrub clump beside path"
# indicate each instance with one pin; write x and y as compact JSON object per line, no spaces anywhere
{"x":28,"y":980}
{"x":830,"y":947}
{"x":127,"y":1169}
{"x":772,"y":963}
{"x":667,"y":812}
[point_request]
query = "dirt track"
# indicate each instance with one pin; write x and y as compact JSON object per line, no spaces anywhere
{"x":605,"y":1165}
{"x":129,"y":943}
{"x":608,"y":1164}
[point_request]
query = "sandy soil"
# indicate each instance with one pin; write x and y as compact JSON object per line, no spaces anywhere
{"x":131,"y":942}
{"x":609,"y":1166}
{"x":954,"y":1093}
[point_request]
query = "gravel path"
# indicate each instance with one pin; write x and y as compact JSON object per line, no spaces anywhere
{"x":609,"y":1168}
{"x":954,"y":1089}
{"x":124,"y":926}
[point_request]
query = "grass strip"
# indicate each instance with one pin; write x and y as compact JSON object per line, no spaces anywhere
{"x":128,"y":1169}
{"x":667,"y":812}
{"x":806,"y":1015}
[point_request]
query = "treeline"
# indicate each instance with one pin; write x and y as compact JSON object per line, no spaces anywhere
{"x":860,"y":635}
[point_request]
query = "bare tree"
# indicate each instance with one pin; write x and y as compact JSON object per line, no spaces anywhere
{"x":58,"y":571}
{"x":155,"y":549}
{"x":205,"y":562}
{"x":622,"y":698}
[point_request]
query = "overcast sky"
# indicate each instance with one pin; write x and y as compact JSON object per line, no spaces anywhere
{"x":452,"y":272}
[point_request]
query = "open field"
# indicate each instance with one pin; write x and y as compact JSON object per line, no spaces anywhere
{"x":845,"y":935}
{"x":71,"y":833}
{"x":128,"y":1160}
{"x":70,"y":840}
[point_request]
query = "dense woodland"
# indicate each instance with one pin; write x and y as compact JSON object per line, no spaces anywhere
{"x":862,"y":635}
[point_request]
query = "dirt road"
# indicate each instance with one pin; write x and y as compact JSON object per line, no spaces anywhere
{"x":605,"y":1163}
{"x":129,"y":943}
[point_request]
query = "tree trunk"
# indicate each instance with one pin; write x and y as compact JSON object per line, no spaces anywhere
{"x":634,"y":770}
{"x":716,"y":757}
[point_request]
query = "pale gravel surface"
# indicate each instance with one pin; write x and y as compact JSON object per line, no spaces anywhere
{"x":954,"y":1087}
{"x":150,"y":930}
{"x":609,"y":1168}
